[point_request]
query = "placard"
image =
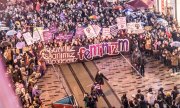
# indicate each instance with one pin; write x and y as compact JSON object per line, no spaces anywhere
{"x":106,"y":32}
{"x":37,"y":34}
{"x":97,"y":29}
{"x":89,"y":31}
{"x":47,"y":36}
{"x":28,"y":38}
{"x":113,"y":30}
{"x":135,"y":28}
{"x":121,"y":23}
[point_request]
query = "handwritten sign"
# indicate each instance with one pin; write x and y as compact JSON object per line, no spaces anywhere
{"x":121,"y":23}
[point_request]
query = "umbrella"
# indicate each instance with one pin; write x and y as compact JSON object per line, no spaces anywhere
{"x":93,"y":17}
{"x":162,"y":21}
{"x":140,"y":4}
{"x":11,"y":33}
{"x":127,"y":10}
{"x":175,"y":44}
{"x":4,"y":28}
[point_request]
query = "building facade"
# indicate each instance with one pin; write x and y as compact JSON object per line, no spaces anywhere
{"x":169,"y":6}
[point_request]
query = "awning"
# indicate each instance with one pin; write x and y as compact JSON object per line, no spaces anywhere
{"x":141,"y":4}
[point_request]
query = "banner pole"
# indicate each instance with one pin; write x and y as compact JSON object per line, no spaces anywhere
{"x":130,"y":64}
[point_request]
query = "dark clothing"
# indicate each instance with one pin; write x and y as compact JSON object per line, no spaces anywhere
{"x":139,"y":95}
{"x":174,"y":94}
{"x":168,"y":100}
{"x":142,"y":70}
{"x":99,"y":78}
{"x":142,"y":64}
{"x":142,"y":104}
{"x":86,"y":100}
{"x":125,"y":102}
{"x":17,"y":76}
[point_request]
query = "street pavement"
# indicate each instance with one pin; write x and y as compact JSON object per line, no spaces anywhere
{"x":52,"y":87}
{"x":120,"y":76}
{"x":123,"y":80}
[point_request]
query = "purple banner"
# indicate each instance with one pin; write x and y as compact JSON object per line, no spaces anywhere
{"x":47,"y":36}
{"x":85,"y":53}
{"x":80,"y":31}
{"x":62,"y":36}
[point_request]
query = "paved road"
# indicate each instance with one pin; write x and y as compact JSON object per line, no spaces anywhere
{"x":120,"y":76}
{"x":122,"y":80}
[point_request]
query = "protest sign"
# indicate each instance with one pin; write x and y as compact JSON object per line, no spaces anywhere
{"x":20,"y":45}
{"x":113,"y":30}
{"x":53,"y":29}
{"x":18,"y":35}
{"x":37,"y":34}
{"x":47,"y":36}
{"x":97,"y":29}
{"x":135,"y":28}
{"x":80,"y":31}
{"x":106,"y":32}
{"x":121,"y":22}
{"x":28,"y":38}
{"x":64,"y":36}
{"x":89,"y":31}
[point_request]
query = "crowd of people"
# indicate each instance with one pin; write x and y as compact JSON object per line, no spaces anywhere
{"x":152,"y":99}
{"x":26,"y":66}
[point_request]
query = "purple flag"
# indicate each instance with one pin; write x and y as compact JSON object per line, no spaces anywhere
{"x":64,"y":36}
{"x":47,"y":36}
{"x":80,"y":31}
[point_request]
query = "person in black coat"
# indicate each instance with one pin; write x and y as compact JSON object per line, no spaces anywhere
{"x":142,"y":64}
{"x":124,"y":101}
{"x":142,"y":103}
{"x":100,"y":78}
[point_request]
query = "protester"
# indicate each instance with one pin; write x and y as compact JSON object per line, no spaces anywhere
{"x":150,"y":98}
{"x":142,"y":65}
{"x":86,"y":100}
{"x":124,"y":101}
{"x":96,"y":88}
{"x":174,"y":62}
{"x":99,"y":78}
